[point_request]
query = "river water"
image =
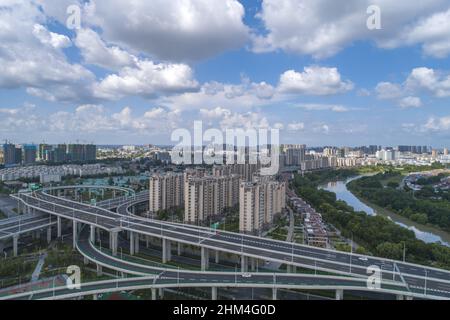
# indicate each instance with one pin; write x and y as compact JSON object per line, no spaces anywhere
{"x":424,"y":233}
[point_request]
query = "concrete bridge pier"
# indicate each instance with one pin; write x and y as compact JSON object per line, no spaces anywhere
{"x":253,"y":264}
{"x":339,"y":294}
{"x":147,"y":242}
{"x":179,"y":248}
{"x":136,"y":244}
{"x":154,"y":297}
{"x":274,"y":294}
{"x":217,"y":259}
{"x":161,"y":293}
{"x":205,"y":258}
{"x":166,"y":250}
{"x":15,"y":245}
{"x":99,"y":270}
{"x":94,"y":297}
{"x":132,"y":243}
{"x":75,"y":234}
{"x":92,"y":234}
{"x":59,"y":227}
{"x":214,"y":293}
{"x":244,"y":264}
{"x":114,"y":242}
{"x":49,"y":235}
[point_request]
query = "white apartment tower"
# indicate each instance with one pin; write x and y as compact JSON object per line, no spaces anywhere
{"x":207,"y":196}
{"x":259,"y":202}
{"x":166,"y":191}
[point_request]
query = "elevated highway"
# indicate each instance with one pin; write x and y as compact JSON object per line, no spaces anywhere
{"x":418,"y":280}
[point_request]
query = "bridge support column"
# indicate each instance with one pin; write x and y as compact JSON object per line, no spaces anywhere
{"x":179,"y":249}
{"x":75,"y":234}
{"x":274,"y":294}
{"x":147,"y":242}
{"x":205,"y":258}
{"x":214,"y":293}
{"x":86,"y":261}
{"x":166,"y":250}
{"x":244,"y":264}
{"x":253,"y":264}
{"x":132,"y":243}
{"x":58,"y":227}
{"x":49,"y":235}
{"x":94,"y":297}
{"x":136,"y":244}
{"x":400,"y":297}
{"x":339,"y":294}
{"x":217,"y":259}
{"x":92,"y":235}
{"x":289,"y":269}
{"x":114,"y":242}
{"x":161,"y":293}
{"x":99,"y":270}
{"x":154,"y":297}
{"x":409,"y":298}
{"x":15,"y":245}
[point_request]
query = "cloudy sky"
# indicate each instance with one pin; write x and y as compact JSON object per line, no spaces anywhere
{"x":136,"y":70}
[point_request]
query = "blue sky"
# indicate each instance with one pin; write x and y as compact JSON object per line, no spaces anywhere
{"x":133,"y":73}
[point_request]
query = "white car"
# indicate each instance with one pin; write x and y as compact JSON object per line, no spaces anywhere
{"x":364,"y":259}
{"x":246,"y":275}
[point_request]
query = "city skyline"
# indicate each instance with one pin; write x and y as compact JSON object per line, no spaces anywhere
{"x":257,"y":64}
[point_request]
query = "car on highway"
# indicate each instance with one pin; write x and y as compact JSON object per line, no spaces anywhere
{"x":365,"y":259}
{"x":246,"y":275}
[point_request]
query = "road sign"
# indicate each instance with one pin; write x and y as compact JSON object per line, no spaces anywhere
{"x":215,"y":225}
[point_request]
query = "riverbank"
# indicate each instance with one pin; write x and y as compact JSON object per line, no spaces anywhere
{"x":432,"y":234}
{"x":428,"y":234}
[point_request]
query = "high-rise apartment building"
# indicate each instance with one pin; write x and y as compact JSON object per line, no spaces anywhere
{"x":43,"y":153}
{"x":245,"y":171}
{"x":434,"y":154}
{"x":29,"y":154}
{"x":60,"y":153}
{"x":10,"y":155}
{"x":259,"y":202}
{"x":89,"y":152}
{"x":295,"y":155}
{"x":166,"y":191}
{"x":207,"y":196}
{"x":76,"y":152}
